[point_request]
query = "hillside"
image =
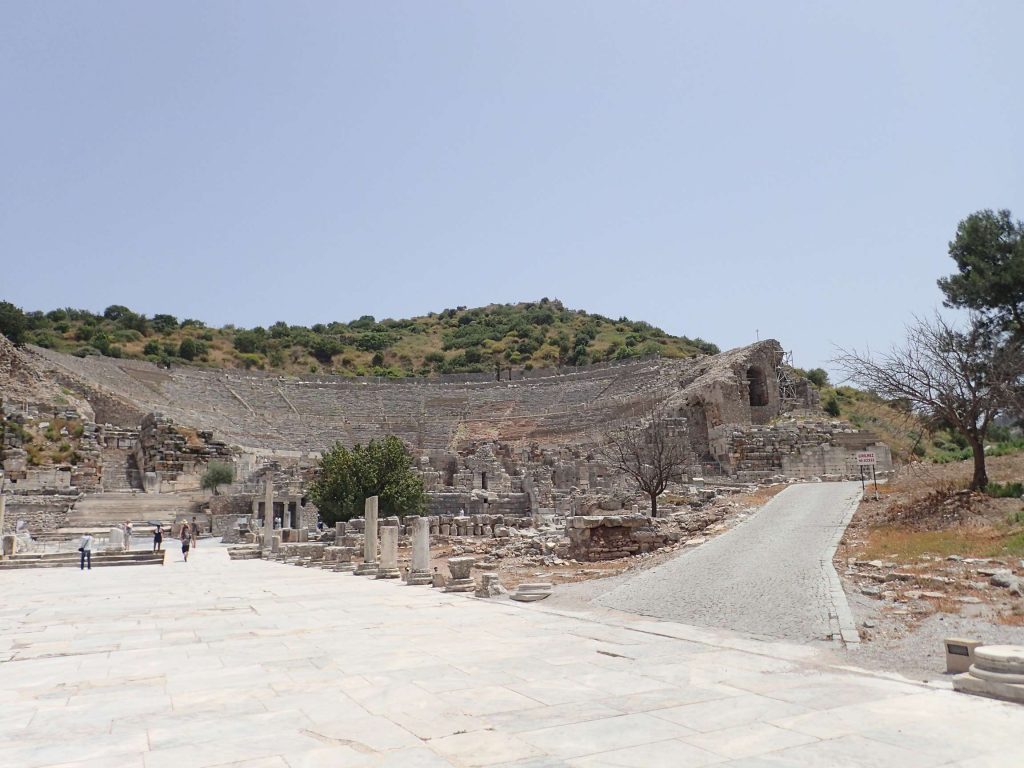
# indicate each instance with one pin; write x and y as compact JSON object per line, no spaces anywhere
{"x":526,"y":335}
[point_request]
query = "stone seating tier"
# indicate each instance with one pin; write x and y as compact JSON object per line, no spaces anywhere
{"x":311,"y":413}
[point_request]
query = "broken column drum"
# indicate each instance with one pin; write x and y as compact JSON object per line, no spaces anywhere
{"x":461,"y":580}
{"x":369,"y":565}
{"x":345,"y":564}
{"x":388,"y":568}
{"x":420,"y":570}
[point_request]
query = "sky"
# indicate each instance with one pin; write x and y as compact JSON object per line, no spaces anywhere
{"x":727,"y":170}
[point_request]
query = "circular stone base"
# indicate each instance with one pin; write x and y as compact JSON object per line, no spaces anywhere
{"x":461,"y":585}
{"x":419,"y":579}
{"x":996,"y":677}
{"x":389,"y":573}
{"x":1004,"y":659}
{"x":344,"y":567}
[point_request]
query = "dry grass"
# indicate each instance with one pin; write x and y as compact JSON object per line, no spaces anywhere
{"x":945,"y":605}
{"x":1012,"y":618}
{"x":903,"y":544}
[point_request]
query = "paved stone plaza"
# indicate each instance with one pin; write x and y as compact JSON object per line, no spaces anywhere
{"x":250,"y":663}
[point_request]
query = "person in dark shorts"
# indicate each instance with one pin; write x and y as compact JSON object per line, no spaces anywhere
{"x":195,"y":533}
{"x":158,"y":538}
{"x":186,"y":540}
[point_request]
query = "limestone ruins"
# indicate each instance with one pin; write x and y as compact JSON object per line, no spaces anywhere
{"x":494,"y":455}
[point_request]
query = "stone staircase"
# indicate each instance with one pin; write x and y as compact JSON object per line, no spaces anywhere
{"x":73,"y":559}
{"x":99,"y":512}
{"x":119,"y":471}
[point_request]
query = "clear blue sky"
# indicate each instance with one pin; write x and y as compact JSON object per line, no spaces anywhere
{"x":718,"y":169}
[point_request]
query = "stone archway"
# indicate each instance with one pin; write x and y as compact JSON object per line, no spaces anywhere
{"x":757,"y":386}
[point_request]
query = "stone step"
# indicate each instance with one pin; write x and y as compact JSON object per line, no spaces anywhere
{"x":73,"y":559}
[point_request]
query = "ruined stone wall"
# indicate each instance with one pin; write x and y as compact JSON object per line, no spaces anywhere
{"x":794,"y":449}
{"x":172,"y":458}
{"x":42,"y":514}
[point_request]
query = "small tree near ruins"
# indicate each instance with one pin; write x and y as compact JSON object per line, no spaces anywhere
{"x":649,"y":454}
{"x":957,"y":378}
{"x":346,"y":477}
{"x":217,"y":474}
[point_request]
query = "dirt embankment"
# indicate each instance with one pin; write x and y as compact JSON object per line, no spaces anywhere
{"x":930,"y":559}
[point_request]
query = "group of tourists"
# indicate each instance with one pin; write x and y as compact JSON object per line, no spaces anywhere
{"x":189,"y":536}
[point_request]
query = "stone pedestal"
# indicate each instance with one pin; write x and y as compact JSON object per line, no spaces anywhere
{"x":344,"y":563}
{"x":419,"y":573}
{"x":10,"y":544}
{"x":437,"y":579}
{"x":388,"y":568}
{"x":490,"y":586}
{"x":997,"y":672}
{"x":369,"y":565}
{"x":960,"y":654}
{"x":461,"y":580}
{"x":115,"y":540}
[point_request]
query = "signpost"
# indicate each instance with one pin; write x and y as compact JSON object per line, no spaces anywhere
{"x":867,"y":459}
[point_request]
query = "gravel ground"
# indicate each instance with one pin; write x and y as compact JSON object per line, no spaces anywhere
{"x":767,"y":576}
{"x":917,"y":650}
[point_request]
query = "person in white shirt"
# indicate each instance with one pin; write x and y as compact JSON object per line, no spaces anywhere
{"x":85,"y":547}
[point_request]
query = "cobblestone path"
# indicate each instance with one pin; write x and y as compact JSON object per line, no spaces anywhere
{"x":771,"y":575}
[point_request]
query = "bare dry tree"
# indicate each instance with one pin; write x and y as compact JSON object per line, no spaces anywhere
{"x":960,"y":378}
{"x":649,"y":453}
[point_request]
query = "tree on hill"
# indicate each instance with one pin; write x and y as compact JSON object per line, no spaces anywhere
{"x":989,"y":254}
{"x":649,"y":453}
{"x":12,"y":322}
{"x":217,"y":474}
{"x":347,"y":477}
{"x":952,"y":377}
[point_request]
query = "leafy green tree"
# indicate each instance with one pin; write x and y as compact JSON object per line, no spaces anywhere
{"x":347,"y":477}
{"x":152,"y":348}
{"x":115,"y":312}
{"x":248,"y":342}
{"x":217,"y":474}
{"x":324,"y":348}
{"x":12,"y":322}
{"x":165,"y":323}
{"x":818,"y":377}
{"x":989,"y":253}
{"x":189,"y":349}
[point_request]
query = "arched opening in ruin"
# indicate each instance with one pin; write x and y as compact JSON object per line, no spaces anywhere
{"x":757,"y":386}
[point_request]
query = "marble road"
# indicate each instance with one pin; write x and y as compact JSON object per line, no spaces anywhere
{"x":254,"y":664}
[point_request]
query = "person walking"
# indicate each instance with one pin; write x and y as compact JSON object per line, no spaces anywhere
{"x":186,"y":540}
{"x":85,"y":547}
{"x":195,"y":532}
{"x":127,"y":535}
{"x":158,"y":538}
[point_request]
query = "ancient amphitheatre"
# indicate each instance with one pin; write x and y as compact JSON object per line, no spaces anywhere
{"x":511,"y":385}
{"x":519,"y":491}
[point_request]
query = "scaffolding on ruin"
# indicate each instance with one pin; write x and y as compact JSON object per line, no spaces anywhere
{"x":783,"y":363}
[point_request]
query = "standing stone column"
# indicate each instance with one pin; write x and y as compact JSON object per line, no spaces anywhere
{"x":3,"y":510}
{"x":420,"y":571}
{"x":369,"y":565}
{"x":388,"y":553}
{"x":268,"y":512}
